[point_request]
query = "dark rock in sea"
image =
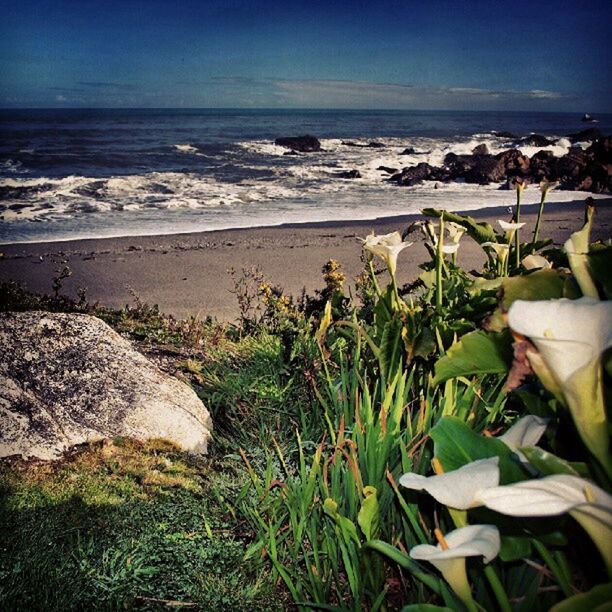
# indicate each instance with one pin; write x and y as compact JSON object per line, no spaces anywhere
{"x":481,"y":149}
{"x":601,"y":150}
{"x":586,"y":135}
{"x":370,"y":145}
{"x":292,"y":152}
{"x":349,"y":174}
{"x":542,"y":166}
{"x":588,"y":118}
{"x":508,"y":135}
{"x":303,"y":144}
{"x":486,"y":169}
{"x":408,"y":151}
{"x":534,"y":140}
{"x":387,"y":169}
{"x":414,"y":175}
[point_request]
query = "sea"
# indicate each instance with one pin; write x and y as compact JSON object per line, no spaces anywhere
{"x":75,"y":173}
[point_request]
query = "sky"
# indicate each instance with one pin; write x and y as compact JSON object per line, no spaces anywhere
{"x":432,"y":55}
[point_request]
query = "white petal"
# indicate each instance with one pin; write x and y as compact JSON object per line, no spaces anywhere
{"x":498,"y":247}
{"x":548,"y":496}
{"x":568,"y":333}
{"x":533,"y":262}
{"x":507,"y":227}
{"x":471,"y":541}
{"x":449,"y":249}
{"x":460,"y":488}
{"x":525,"y":432}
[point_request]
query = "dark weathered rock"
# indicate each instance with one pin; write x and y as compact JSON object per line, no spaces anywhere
{"x":481,"y":149}
{"x":387,"y":169}
{"x":588,"y":118}
{"x":370,"y":145}
{"x":486,"y":169}
{"x":413,"y":175}
{"x":292,"y":152}
{"x":542,"y":166}
{"x":66,"y":379}
{"x":589,"y":134}
{"x":303,"y":144}
{"x":408,"y":151}
{"x":349,"y":174}
{"x":601,"y":150}
{"x":508,"y":135}
{"x":534,"y":140}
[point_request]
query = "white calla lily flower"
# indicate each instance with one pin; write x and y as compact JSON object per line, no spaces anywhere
{"x":510,"y":227}
{"x":577,"y":249}
{"x":455,"y":231}
{"x":570,"y":336}
{"x":387,"y":247}
{"x":546,"y":186}
{"x":501,"y":249}
{"x":559,"y":494}
{"x":535,"y":262}
{"x":450,"y":554}
{"x":460,"y":488}
{"x":450,"y":249}
{"x":525,"y":432}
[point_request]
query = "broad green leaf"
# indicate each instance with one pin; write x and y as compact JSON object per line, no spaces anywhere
{"x":455,"y":445}
{"x":514,"y":548}
{"x":598,"y":599}
{"x":548,"y":464}
{"x":480,"y":231}
{"x":369,"y":514}
{"x":476,"y":353}
{"x":425,"y":343}
{"x":481,"y":285}
{"x":540,"y":285}
{"x":600,"y":264}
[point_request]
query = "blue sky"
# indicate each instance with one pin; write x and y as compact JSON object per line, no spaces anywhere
{"x":519,"y":55}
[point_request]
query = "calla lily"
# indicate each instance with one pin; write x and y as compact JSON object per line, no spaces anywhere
{"x":525,"y":432}
{"x":535,"y":262}
{"x":450,"y":554}
{"x":510,"y":227}
{"x":460,"y":488}
{"x":559,"y":494}
{"x":570,"y":336}
{"x":387,"y":247}
{"x":577,"y":249}
{"x":455,"y":231}
{"x":545,"y":187}
{"x":450,"y":249}
{"x":501,"y":251}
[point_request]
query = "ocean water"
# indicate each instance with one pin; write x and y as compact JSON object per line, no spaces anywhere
{"x":69,"y":173}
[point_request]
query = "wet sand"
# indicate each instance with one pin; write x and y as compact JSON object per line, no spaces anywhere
{"x":187,"y":274}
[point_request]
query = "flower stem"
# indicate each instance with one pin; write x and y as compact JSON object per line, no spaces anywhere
{"x":498,"y":589}
{"x":516,"y":236}
{"x":537,"y":225}
{"x":439,"y":256}
{"x":554,"y":568}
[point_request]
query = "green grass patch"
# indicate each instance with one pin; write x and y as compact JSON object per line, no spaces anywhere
{"x":125,"y":525}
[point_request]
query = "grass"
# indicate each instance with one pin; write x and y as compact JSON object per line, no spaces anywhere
{"x":125,"y":525}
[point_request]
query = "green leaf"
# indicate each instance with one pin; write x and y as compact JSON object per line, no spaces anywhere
{"x":369,"y":514}
{"x":425,"y":343}
{"x":598,"y":599}
{"x":540,"y":285}
{"x":480,"y":231}
{"x":455,"y":445}
{"x":514,"y":548}
{"x":600,"y":264}
{"x":476,"y":353}
{"x":391,"y":346}
{"x":548,"y":464}
{"x":425,"y":608}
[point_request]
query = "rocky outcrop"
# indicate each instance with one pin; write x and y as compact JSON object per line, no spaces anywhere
{"x":369,"y":145}
{"x":303,"y":144}
{"x":588,"y":170}
{"x":590,"y":134}
{"x":349,"y":174}
{"x":66,"y":379}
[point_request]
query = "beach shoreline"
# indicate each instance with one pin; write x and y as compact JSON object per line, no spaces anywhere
{"x":187,"y":274}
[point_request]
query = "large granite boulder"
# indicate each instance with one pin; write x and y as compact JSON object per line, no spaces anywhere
{"x":66,"y":379}
{"x":303,"y":144}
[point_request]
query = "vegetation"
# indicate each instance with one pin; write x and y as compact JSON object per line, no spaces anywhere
{"x":443,"y":445}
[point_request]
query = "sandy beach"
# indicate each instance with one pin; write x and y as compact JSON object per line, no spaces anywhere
{"x":187,"y":274}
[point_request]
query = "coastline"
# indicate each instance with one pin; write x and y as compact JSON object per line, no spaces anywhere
{"x":186,"y":274}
